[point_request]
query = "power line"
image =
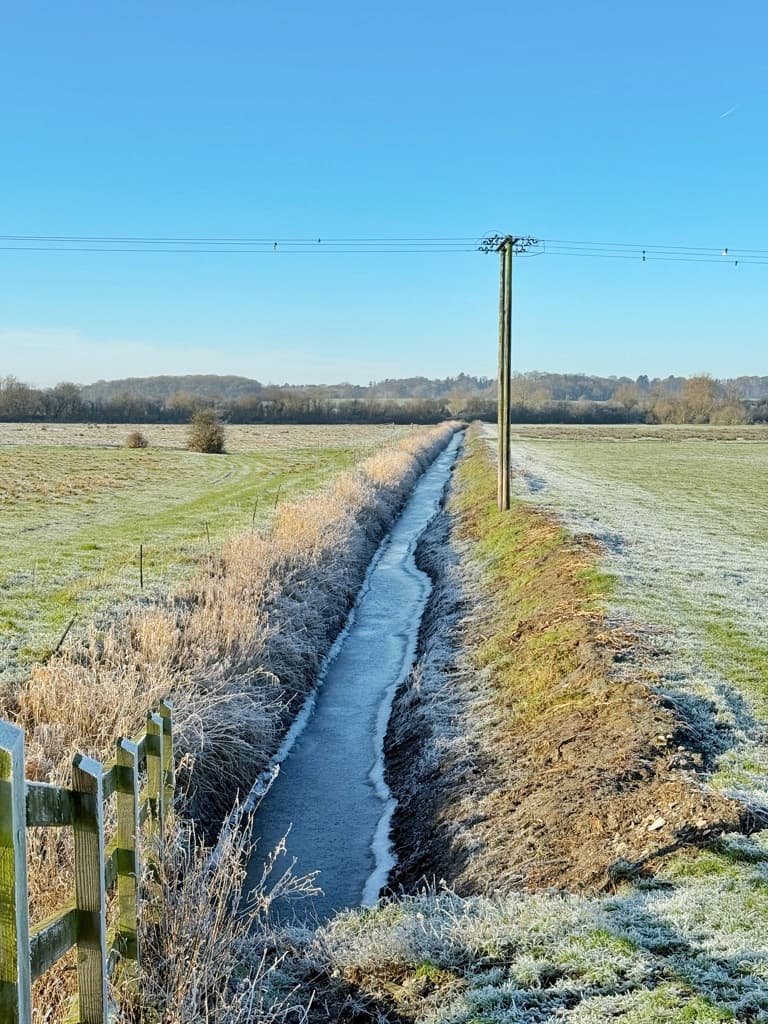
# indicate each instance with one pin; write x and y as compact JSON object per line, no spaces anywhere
{"x":227,"y":240}
{"x":654,"y":257}
{"x":150,"y":243}
{"x":654,"y":246}
{"x":204,"y":245}
{"x":422,"y":245}
{"x":239,"y":251}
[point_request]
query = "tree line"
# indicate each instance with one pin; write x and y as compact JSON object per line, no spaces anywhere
{"x":67,"y":403}
{"x":539,"y":388}
{"x":536,"y":398}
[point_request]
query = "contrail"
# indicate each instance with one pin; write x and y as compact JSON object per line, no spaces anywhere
{"x":728,"y":112}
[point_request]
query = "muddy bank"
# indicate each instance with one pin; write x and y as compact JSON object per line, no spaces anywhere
{"x":528,"y":747}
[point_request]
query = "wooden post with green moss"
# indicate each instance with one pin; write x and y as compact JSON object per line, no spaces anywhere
{"x":155,"y":784}
{"x":165,"y":710}
{"x":15,"y":974}
{"x":90,"y":893}
{"x":128,"y":857}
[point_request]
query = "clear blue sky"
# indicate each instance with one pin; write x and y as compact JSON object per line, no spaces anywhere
{"x":596,"y":121}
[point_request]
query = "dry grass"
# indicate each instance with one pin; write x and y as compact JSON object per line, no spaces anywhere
{"x":238,"y":649}
{"x":240,"y":438}
{"x":209,"y":957}
{"x":72,"y":517}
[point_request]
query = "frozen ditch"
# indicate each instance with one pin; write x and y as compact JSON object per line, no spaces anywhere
{"x":330,"y":796}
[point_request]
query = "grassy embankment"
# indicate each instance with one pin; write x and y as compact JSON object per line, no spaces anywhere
{"x":577,"y":770}
{"x":687,"y":537}
{"x":545,"y":590}
{"x":686,"y":945}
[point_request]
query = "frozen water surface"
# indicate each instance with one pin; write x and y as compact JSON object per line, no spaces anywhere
{"x":330,"y":792}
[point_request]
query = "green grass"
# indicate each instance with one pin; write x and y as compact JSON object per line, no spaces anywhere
{"x":720,"y":485}
{"x":72,"y":519}
{"x":544,"y":588}
{"x":741,"y":659}
{"x":671,"y":1004}
{"x":689,"y":520}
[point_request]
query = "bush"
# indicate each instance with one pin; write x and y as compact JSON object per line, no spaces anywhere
{"x":206,"y":433}
{"x":136,"y":440}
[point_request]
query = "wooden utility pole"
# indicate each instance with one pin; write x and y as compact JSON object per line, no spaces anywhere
{"x":500,"y":377}
{"x":505,"y":374}
{"x":505,"y":246}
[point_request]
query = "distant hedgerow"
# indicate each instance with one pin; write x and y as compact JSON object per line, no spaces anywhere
{"x":206,"y":434}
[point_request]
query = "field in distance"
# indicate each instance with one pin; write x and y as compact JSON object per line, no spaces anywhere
{"x":640,"y":432}
{"x":75,"y":506}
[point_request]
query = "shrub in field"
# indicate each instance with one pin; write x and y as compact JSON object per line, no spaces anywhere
{"x":136,"y":440}
{"x":206,"y":433}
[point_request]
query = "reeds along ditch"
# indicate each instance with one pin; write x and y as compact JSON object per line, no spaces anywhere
{"x":238,"y":649}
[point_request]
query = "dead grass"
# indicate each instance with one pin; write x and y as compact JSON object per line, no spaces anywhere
{"x":240,"y":438}
{"x":238,"y":649}
{"x":209,"y":957}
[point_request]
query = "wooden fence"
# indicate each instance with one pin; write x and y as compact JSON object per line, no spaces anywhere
{"x":28,"y":952}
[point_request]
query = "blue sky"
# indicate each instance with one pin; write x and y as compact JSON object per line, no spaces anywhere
{"x":595,"y":121}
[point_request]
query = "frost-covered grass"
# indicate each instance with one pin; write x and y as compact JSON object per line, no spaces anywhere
{"x":240,"y":438}
{"x":237,"y":646}
{"x":74,"y":509}
{"x":684,"y":530}
{"x":641,"y":431}
{"x":690,"y":947}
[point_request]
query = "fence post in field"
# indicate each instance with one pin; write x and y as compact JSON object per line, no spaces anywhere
{"x":128,"y":857}
{"x":165,"y":710}
{"x":155,"y":786}
{"x":90,"y":895}
{"x":15,"y":974}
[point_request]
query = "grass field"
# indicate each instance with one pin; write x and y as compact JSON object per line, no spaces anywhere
{"x":684,"y":528}
{"x":682,"y":540}
{"x":640,"y":432}
{"x":75,"y":506}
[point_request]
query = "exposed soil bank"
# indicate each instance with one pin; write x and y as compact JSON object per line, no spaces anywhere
{"x":526,"y":749}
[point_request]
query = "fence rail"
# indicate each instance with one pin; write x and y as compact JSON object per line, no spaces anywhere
{"x":27,"y":953}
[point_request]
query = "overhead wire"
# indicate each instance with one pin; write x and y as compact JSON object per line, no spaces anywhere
{"x":423,"y":245}
{"x":239,"y":251}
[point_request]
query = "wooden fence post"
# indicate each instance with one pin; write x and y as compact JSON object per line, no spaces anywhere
{"x":15,"y":974}
{"x":90,"y":896}
{"x":128,"y":857}
{"x":165,"y":710}
{"x":155,"y":787}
